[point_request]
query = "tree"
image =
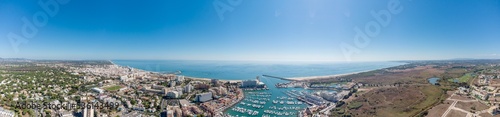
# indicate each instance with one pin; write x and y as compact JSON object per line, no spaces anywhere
{"x":24,"y":111}
{"x":30,"y":112}
{"x":425,"y":113}
{"x":47,"y":112}
{"x":77,"y":98}
{"x":22,"y":97}
{"x":133,"y":102}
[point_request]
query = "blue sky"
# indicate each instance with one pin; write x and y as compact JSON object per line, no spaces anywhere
{"x":277,"y":30}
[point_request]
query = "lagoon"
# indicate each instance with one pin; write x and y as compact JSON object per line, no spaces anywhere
{"x":433,"y":81}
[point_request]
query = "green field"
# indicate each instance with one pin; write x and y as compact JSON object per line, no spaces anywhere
{"x":464,"y":78}
{"x":113,"y":88}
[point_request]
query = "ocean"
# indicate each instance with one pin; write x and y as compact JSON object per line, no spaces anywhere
{"x":242,"y":70}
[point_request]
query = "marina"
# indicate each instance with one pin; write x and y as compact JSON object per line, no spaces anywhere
{"x":245,"y":111}
{"x":275,"y":102}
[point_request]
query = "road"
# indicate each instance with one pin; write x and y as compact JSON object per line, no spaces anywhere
{"x":455,"y":101}
{"x":449,"y":108}
{"x":327,"y":109}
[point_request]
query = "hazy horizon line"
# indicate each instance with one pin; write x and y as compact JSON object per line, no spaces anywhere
{"x":227,"y":60}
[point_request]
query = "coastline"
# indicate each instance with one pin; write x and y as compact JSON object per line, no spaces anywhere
{"x":305,"y":78}
{"x":327,"y":76}
{"x":189,"y":77}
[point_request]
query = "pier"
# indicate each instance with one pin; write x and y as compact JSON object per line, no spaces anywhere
{"x":281,"y":78}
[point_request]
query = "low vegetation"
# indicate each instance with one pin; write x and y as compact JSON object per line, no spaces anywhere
{"x":113,"y":88}
{"x":404,"y":90}
{"x":354,"y":105}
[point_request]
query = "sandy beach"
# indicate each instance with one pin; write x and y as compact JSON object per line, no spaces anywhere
{"x":325,"y":77}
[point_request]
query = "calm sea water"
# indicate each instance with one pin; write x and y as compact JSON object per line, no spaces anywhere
{"x":237,"y":70}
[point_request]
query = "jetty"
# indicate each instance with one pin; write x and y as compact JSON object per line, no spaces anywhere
{"x":281,"y":78}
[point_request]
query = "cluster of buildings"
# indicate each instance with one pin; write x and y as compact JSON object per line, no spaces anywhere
{"x":322,"y":102}
{"x":222,"y":100}
{"x":487,"y":86}
{"x":332,"y":96}
{"x":324,"y":97}
{"x":486,"y":90}
{"x":213,"y":93}
{"x":139,"y":93}
{"x":194,"y":97}
{"x":124,"y":74}
{"x":207,"y":98}
{"x":37,"y":83}
{"x":486,"y":80}
{"x":143,"y":93}
{"x":316,"y":100}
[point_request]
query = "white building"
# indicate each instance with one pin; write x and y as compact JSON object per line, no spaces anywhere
{"x":330,"y":96}
{"x":314,"y":99}
{"x":179,"y":78}
{"x":172,"y":84}
{"x":173,"y":94}
{"x":480,"y":95}
{"x":98,"y":90}
{"x":64,"y":114}
{"x":248,"y":83}
{"x":188,"y":88}
{"x":179,"y":89}
{"x":462,"y":90}
{"x":252,"y":83}
{"x":124,"y":78}
{"x":203,"y":97}
{"x":6,"y":113}
{"x":88,"y":112}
